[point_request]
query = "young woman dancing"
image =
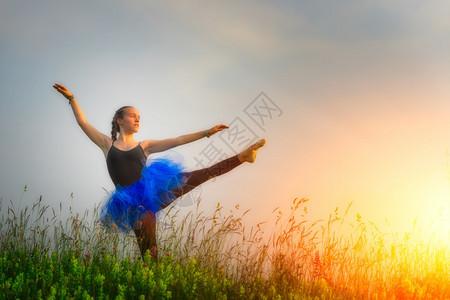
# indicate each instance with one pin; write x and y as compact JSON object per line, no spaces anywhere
{"x":145,"y":187}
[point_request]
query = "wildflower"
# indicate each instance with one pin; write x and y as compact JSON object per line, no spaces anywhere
{"x":87,"y":255}
{"x":145,"y":265}
{"x":317,"y":264}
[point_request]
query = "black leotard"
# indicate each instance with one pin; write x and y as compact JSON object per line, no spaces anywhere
{"x":125,"y":167}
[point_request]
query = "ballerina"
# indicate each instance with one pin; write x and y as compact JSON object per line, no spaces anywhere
{"x":145,"y":186}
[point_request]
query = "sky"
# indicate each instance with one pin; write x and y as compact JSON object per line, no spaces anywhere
{"x":352,"y":97}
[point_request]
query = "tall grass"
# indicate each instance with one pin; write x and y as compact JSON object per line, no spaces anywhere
{"x":217,"y":256}
{"x":43,"y":229}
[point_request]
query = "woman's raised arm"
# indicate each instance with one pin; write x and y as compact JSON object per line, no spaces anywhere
{"x":101,"y":140}
{"x":152,"y":146}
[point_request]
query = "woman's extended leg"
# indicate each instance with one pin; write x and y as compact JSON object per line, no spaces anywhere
{"x":200,"y":176}
{"x":197,"y":177}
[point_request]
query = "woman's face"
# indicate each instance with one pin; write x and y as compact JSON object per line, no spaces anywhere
{"x":130,"y":121}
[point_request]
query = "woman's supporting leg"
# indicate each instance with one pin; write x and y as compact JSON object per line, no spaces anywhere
{"x":145,"y":232}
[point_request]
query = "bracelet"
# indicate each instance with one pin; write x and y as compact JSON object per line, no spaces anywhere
{"x":70,"y":98}
{"x":206,"y":133}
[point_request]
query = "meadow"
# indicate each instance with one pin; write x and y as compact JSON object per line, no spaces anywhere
{"x":45,"y":255}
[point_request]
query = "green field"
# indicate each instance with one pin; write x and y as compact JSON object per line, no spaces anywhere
{"x":47,"y":256}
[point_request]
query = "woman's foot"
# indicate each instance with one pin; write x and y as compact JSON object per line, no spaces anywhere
{"x":249,"y":154}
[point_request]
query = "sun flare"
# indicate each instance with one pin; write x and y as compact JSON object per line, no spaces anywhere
{"x":429,"y":205}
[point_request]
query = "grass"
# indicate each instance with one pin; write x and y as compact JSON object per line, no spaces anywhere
{"x":45,"y":255}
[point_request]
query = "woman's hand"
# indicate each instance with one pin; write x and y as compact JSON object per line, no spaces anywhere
{"x":64,"y":91}
{"x":216,"y":129}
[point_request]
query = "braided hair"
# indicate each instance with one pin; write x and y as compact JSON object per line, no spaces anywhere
{"x":115,"y":127}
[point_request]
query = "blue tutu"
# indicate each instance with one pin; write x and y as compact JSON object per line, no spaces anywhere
{"x":127,"y":204}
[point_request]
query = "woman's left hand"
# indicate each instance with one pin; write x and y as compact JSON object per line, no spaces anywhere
{"x":216,"y":129}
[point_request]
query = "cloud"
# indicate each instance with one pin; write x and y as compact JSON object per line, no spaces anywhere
{"x":239,"y":29}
